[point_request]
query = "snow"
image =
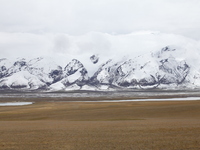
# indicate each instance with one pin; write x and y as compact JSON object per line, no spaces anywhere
{"x":45,"y":64}
{"x":22,"y":78}
{"x":72,"y":78}
{"x":6,"y":62}
{"x":89,"y":88}
{"x":72,"y":87}
{"x":57,"y":86}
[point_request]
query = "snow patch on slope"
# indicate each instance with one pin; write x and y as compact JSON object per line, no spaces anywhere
{"x":22,"y":79}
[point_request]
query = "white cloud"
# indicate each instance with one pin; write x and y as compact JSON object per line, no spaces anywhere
{"x":107,"y":45}
{"x":110,"y":16}
{"x":77,"y":27}
{"x":61,"y":43}
{"x":24,"y":44}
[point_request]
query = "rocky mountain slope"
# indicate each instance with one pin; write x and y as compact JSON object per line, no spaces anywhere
{"x":167,"y":68}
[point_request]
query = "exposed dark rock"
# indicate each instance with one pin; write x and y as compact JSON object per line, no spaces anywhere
{"x":20,"y":63}
{"x":167,"y":48}
{"x":18,"y":86}
{"x":94,"y":59}
{"x":57,"y":74}
{"x":72,"y":67}
{"x":175,"y":72}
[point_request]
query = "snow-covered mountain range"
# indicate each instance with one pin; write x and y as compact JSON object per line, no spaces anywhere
{"x":169,"y":67}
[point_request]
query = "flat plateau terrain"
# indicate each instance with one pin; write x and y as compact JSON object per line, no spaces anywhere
{"x":46,"y":125}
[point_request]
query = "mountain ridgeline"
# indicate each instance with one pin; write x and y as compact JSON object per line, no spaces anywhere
{"x":162,"y":69}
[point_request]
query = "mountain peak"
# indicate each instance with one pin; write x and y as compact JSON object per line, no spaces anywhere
{"x":163,"y":68}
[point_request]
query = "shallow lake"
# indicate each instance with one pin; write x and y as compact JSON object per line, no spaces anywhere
{"x":15,"y":103}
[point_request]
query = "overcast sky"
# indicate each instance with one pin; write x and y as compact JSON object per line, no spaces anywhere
{"x":20,"y":19}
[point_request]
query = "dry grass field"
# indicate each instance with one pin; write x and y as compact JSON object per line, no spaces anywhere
{"x":167,"y":125}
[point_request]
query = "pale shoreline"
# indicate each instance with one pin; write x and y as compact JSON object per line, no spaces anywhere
{"x":146,"y":100}
{"x":115,"y":101}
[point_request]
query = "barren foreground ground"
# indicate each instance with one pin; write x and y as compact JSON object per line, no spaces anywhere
{"x":101,"y":126}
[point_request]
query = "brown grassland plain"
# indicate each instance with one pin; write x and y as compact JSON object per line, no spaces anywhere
{"x":44,"y":125}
